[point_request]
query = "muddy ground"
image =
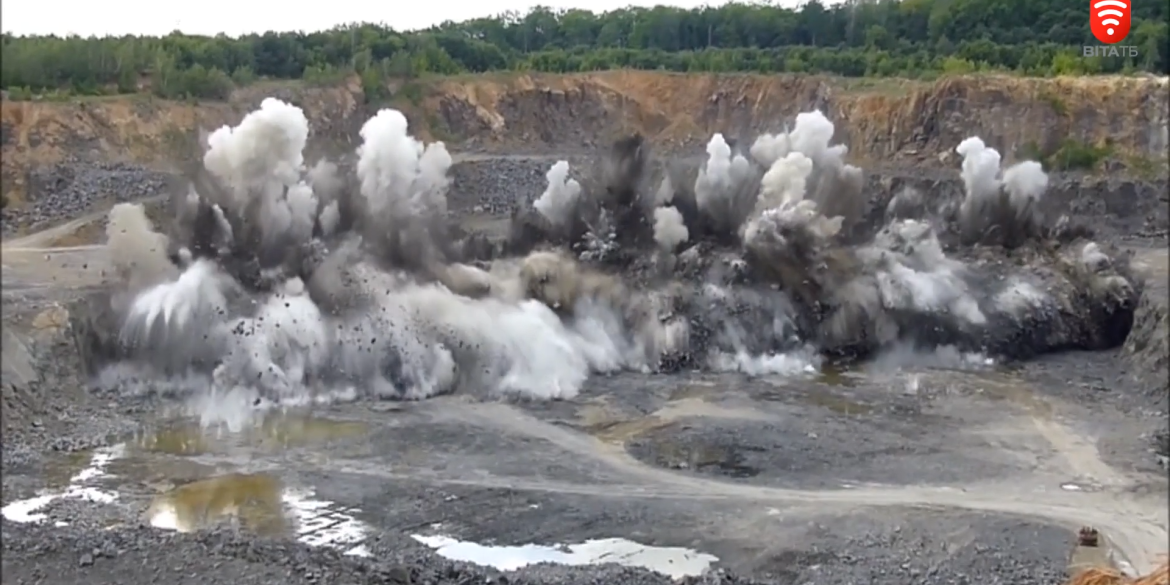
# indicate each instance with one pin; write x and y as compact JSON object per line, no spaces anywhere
{"x":895,"y":473}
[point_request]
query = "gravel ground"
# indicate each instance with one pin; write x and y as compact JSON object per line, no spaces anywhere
{"x":47,"y":413}
{"x":137,"y":554}
{"x":879,"y":552}
{"x":46,"y":407}
{"x":69,"y":189}
{"x":497,"y":186}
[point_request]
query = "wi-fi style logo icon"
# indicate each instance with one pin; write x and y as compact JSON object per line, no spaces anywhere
{"x":1109,"y":20}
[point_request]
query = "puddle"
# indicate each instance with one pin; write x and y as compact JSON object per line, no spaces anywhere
{"x":1012,"y":389}
{"x":180,"y":440}
{"x":832,"y":375}
{"x":688,"y":402}
{"x":253,"y":499}
{"x":287,"y":430}
{"x":170,"y":455}
{"x":276,"y":430}
{"x":839,"y":375}
{"x":614,"y":427}
{"x":79,"y":488}
{"x":837,"y":404}
{"x":674,"y":562}
{"x":621,"y":431}
{"x":822,"y":398}
{"x":699,"y":390}
{"x":724,"y":460}
{"x":261,"y":504}
{"x":60,"y":469}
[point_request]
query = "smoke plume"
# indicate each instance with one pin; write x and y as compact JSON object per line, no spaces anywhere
{"x":295,"y":281}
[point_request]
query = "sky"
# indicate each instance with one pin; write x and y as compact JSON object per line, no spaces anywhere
{"x":236,"y":17}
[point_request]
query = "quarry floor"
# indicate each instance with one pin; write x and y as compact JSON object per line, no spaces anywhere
{"x":893,"y":473}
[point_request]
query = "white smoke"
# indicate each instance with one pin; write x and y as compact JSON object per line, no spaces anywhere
{"x":834,"y":186}
{"x":175,"y":324}
{"x":559,"y":200}
{"x":980,"y":168}
{"x":401,"y":335}
{"x":726,"y":187}
{"x":919,"y":277}
{"x":793,"y":222}
{"x":281,"y":348}
{"x":1000,"y":207}
{"x":138,"y":253}
{"x":414,"y":322}
{"x":785,"y":182}
{"x":1025,"y":183}
{"x":807,"y":195}
{"x":903,"y":272}
{"x":403,"y":186}
{"x":400,"y":177}
{"x":669,"y":229}
{"x":260,"y":163}
{"x":327,"y":185}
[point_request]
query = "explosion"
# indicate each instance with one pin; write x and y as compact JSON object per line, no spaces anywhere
{"x":292,"y":281}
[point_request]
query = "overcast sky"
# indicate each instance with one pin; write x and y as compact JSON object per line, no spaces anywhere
{"x":236,"y":17}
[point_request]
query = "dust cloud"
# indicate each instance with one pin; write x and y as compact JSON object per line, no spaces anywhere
{"x":291,"y":280}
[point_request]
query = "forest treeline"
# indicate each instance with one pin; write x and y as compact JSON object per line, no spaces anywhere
{"x":905,"y":38}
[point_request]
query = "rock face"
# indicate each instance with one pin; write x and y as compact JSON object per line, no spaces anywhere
{"x":881,"y":120}
{"x":885,"y":120}
{"x":123,"y":143}
{"x":1148,"y":346}
{"x":64,"y":158}
{"x":40,"y":379}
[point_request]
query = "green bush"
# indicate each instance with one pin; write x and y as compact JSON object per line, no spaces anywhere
{"x":1073,"y":155}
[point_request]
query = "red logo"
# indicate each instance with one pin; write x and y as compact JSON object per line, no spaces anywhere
{"x":1109,"y":20}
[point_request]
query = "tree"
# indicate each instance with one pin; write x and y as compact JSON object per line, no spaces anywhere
{"x":851,"y":38}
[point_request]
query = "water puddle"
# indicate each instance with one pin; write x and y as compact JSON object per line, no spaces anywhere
{"x":167,"y":460}
{"x":700,"y":456}
{"x":274,"y":431}
{"x":620,"y":431}
{"x":692,"y":401}
{"x":1006,"y":387}
{"x":697,"y":390}
{"x":674,"y":562}
{"x":1080,"y":486}
{"x":839,"y":375}
{"x":59,"y":471}
{"x":837,"y":404}
{"x":829,"y":390}
{"x":80,"y":487}
{"x":251,"y":499}
{"x":260,"y":504}
{"x":827,"y":399}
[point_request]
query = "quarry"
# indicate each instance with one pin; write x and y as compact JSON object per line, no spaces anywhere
{"x":620,"y":327}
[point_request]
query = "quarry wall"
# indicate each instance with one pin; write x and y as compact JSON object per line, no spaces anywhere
{"x":884,"y":121}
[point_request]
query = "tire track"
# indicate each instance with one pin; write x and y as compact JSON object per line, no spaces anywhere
{"x":1137,"y":525}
